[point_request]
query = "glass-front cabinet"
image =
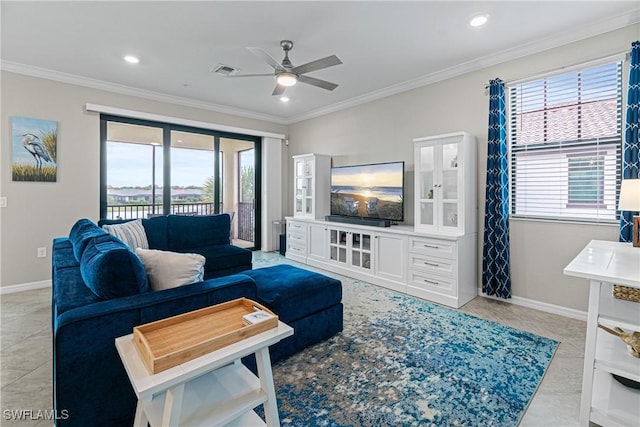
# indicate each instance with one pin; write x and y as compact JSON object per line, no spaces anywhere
{"x":311,"y":185}
{"x":350,"y":248}
{"x":442,"y":164}
{"x":303,"y":170}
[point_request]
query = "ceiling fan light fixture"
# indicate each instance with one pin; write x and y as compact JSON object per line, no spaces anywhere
{"x":287,"y":79}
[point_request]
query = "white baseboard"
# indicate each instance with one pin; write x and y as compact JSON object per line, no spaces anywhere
{"x":25,"y":287}
{"x":541,"y":306}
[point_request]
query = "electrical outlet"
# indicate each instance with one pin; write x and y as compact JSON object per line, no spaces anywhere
{"x":3,"y":202}
{"x":42,"y":252}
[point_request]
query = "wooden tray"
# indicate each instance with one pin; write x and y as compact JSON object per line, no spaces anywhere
{"x":169,"y":342}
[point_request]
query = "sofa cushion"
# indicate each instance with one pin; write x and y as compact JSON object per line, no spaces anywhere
{"x":293,"y":293}
{"x":186,"y":232}
{"x":131,"y":233}
{"x":156,"y":229}
{"x":167,"y":270}
{"x":223,"y":257}
{"x":81,"y":233}
{"x":111,"y":270}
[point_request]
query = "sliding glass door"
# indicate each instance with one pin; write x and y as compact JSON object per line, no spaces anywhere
{"x":193,"y":174}
{"x":150,"y":169}
{"x":133,"y":168}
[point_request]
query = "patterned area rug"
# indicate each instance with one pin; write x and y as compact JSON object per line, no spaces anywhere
{"x":402,"y":361}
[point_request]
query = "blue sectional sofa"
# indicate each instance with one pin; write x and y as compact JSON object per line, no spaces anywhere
{"x":100,"y":291}
{"x":205,"y":235}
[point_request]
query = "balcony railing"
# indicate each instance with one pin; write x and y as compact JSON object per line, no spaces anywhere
{"x":127,"y":211}
{"x":246,"y":220}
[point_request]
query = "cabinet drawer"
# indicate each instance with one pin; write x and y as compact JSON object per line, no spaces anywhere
{"x":296,"y":227}
{"x":432,"y":282}
{"x":434,"y":247}
{"x":297,"y":238}
{"x":425,"y":263}
{"x":296,"y":249}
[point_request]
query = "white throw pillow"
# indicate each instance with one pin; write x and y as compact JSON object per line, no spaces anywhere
{"x":131,"y":233}
{"x":167,"y":270}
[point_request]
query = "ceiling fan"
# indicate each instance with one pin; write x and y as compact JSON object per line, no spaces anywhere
{"x":288,"y":75}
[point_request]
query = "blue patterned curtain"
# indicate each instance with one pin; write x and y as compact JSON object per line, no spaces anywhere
{"x":631,"y":145}
{"x":496,"y":270}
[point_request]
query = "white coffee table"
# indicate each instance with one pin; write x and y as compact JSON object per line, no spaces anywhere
{"x":212,"y":390}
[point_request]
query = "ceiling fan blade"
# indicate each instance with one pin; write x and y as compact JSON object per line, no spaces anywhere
{"x":318,"y":64}
{"x":260,"y":53}
{"x":317,"y":82}
{"x":250,"y":75}
{"x":278,"y":90}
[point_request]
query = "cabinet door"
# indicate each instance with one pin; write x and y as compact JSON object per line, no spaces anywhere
{"x":317,"y":242}
{"x":338,"y":240}
{"x":426,"y":190}
{"x":307,"y":187}
{"x":299,"y":187}
{"x":389,"y":256}
{"x":360,"y":250}
{"x":449,"y":186}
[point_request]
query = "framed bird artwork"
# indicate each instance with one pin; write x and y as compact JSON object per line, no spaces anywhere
{"x":34,"y":149}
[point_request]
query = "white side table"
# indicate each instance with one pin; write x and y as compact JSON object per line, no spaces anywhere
{"x":212,"y":390}
{"x":604,"y":400}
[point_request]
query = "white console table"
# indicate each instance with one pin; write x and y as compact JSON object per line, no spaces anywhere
{"x":211,"y":390}
{"x":604,"y":400}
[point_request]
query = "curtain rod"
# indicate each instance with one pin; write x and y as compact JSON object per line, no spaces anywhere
{"x":625,"y":54}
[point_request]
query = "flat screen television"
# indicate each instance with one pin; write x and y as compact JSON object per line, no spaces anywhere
{"x":368,"y":191}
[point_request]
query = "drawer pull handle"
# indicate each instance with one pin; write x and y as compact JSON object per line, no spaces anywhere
{"x":432,"y":282}
{"x":431,"y":246}
{"x":433,"y":264}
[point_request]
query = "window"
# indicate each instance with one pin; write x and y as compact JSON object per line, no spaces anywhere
{"x":565,"y":134}
{"x":586,"y":181}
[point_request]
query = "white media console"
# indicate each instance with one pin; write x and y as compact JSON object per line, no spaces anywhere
{"x":435,"y":259}
{"x":434,"y":267}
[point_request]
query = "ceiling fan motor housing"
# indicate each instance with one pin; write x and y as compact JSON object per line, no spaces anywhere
{"x":287,"y":45}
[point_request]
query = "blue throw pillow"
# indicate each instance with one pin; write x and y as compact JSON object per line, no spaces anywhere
{"x":81,"y":233}
{"x":111,"y":270}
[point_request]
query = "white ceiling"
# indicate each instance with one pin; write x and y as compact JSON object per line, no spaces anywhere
{"x":385,"y":47}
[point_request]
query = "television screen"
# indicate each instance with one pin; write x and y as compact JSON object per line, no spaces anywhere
{"x":368,"y":191}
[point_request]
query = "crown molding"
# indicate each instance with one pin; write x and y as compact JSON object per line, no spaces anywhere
{"x":556,"y":40}
{"x":58,"y":76}
{"x":551,"y":42}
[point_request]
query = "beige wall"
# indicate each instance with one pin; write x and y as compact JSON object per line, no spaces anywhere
{"x":383,"y":131}
{"x":38,"y":212}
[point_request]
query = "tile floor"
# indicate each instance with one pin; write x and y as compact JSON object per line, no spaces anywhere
{"x":25,"y":355}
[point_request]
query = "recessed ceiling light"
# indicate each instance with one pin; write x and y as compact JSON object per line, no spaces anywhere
{"x":284,"y":99}
{"x":479,"y":21}
{"x":131,"y":59}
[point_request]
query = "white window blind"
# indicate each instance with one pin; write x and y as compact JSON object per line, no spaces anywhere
{"x":565,"y":134}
